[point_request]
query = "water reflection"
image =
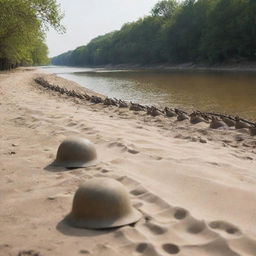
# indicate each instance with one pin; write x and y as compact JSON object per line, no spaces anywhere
{"x":227,"y":92}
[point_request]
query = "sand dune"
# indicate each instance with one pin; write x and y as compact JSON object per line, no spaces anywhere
{"x":195,"y":186}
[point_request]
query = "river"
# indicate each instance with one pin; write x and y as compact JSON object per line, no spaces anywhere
{"x":226,"y":92}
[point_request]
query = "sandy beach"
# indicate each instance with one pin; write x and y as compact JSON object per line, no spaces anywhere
{"x":195,"y":186}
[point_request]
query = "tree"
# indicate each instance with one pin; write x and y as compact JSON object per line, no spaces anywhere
{"x":230,"y":32}
{"x":39,"y":53}
{"x":209,"y":31}
{"x":22,"y":29}
{"x":165,"y":8}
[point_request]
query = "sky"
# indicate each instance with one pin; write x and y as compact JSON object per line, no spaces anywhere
{"x":87,"y":19}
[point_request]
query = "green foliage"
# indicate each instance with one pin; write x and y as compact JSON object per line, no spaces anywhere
{"x":165,"y":8}
{"x":39,"y":53}
{"x":230,"y":31}
{"x":136,"y":42}
{"x":48,"y":13}
{"x":22,"y":26}
{"x":211,"y":31}
{"x":182,"y":37}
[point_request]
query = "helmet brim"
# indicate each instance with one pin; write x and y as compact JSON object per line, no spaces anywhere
{"x":131,"y":218}
{"x":70,"y":164}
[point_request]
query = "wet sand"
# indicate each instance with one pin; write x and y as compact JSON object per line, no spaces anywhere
{"x":243,"y":66}
{"x":195,"y":186}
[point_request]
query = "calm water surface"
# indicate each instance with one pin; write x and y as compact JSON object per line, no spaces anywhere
{"x":226,"y":92}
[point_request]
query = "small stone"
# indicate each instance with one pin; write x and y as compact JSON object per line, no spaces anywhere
{"x":12,"y":153}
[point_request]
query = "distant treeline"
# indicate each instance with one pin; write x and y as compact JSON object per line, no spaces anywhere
{"x":210,"y":31}
{"x":22,"y":30}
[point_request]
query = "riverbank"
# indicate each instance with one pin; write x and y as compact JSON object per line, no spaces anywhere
{"x":226,"y":67}
{"x":187,"y":90}
{"x":194,"y":185}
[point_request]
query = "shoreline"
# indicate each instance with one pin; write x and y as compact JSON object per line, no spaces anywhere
{"x":78,"y":94}
{"x":195,"y":186}
{"x":211,"y":113}
{"x":242,"y":67}
{"x":103,"y":99}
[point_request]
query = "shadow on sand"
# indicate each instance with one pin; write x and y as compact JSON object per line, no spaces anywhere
{"x":51,"y":168}
{"x":67,"y":230}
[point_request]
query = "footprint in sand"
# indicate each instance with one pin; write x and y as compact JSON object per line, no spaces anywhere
{"x":225,"y":226}
{"x":161,"y":229}
{"x":104,"y":250}
{"x":171,"y":248}
{"x":133,"y":151}
{"x":140,"y":190}
{"x":180,"y":214}
{"x":123,"y":147}
{"x":197,"y":227}
{"x":142,"y":247}
{"x":146,"y":249}
{"x":156,"y":229}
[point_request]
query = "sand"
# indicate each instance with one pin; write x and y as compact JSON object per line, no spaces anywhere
{"x":243,"y":66}
{"x":195,"y":186}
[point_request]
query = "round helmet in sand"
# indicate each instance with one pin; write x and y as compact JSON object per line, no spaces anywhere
{"x":75,"y":152}
{"x":102,"y":203}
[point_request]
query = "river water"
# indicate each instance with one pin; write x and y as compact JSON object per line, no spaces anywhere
{"x":226,"y":92}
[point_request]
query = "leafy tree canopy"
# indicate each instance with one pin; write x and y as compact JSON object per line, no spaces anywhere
{"x":209,"y":31}
{"x":165,"y":8}
{"x":23,"y":24}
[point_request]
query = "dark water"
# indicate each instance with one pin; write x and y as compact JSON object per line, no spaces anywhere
{"x":226,"y":92}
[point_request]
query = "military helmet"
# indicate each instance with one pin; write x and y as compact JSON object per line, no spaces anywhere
{"x":102,"y":203}
{"x":76,"y":152}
